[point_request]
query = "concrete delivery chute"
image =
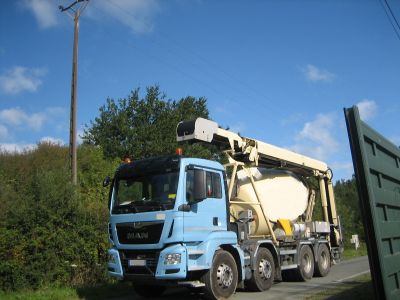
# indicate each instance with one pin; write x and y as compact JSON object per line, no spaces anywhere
{"x":180,"y":220}
{"x":203,"y":130}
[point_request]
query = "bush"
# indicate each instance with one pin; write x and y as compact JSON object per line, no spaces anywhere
{"x":52,"y":232}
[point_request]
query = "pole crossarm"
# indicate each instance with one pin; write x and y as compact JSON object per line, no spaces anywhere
{"x":62,"y":8}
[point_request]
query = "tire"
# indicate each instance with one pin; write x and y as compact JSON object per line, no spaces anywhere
{"x":149,"y":291}
{"x":221,"y":279}
{"x":263,"y":275}
{"x":323,"y":265}
{"x":306,"y":266}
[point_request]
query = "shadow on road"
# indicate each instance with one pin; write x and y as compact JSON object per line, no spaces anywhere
{"x":125,"y":291}
{"x":354,"y":290}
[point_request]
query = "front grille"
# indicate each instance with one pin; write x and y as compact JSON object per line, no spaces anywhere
{"x":140,"y":232}
{"x":151,"y":258}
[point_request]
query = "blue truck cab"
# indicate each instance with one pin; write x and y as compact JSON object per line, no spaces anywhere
{"x":169,"y":218}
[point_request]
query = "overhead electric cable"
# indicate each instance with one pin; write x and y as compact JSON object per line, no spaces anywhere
{"x":264,"y":102}
{"x":386,"y":7}
{"x":391,"y":12}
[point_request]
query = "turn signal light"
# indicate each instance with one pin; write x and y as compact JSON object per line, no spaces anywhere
{"x":179,"y":151}
{"x":127,"y":160}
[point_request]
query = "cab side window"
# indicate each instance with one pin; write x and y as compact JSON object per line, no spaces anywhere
{"x":190,"y":185}
{"x":213,"y":185}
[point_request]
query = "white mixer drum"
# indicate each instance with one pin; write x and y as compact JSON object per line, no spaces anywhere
{"x":282,"y":194}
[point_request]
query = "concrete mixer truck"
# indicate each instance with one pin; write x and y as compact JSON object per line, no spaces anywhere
{"x":193,"y":222}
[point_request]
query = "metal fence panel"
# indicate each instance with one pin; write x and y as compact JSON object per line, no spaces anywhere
{"x":377,"y":168}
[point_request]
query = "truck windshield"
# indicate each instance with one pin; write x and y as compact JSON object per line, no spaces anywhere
{"x":148,"y":192}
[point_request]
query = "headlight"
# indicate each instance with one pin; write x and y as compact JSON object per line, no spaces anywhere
{"x":172,"y":259}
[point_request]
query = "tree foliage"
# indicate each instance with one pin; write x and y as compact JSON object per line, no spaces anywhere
{"x":144,"y":127}
{"x":50,"y":231}
{"x":348,"y":208}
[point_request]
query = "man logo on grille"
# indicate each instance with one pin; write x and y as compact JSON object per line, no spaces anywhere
{"x":137,"y":235}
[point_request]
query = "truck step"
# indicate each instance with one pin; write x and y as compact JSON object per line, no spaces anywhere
{"x":286,"y":252}
{"x":287,"y":267}
{"x":195,"y":283}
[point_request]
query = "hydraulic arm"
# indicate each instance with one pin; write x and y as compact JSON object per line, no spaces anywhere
{"x":247,"y":149}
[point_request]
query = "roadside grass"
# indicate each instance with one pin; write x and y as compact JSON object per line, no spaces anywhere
{"x":350,"y":252}
{"x":359,"y":288}
{"x":45,"y":293}
{"x":104,"y":291}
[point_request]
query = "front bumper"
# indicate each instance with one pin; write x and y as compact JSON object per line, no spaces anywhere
{"x":152,"y":264}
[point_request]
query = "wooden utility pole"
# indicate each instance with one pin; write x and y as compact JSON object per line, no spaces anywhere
{"x":72,"y":129}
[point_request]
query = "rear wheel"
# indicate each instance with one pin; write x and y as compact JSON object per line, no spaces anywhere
{"x":323,"y":265}
{"x":264,"y":273}
{"x":306,"y":267}
{"x":149,"y":291}
{"x":221,"y":280}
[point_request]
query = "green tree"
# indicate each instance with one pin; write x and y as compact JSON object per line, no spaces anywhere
{"x":348,"y":208}
{"x":143,"y":127}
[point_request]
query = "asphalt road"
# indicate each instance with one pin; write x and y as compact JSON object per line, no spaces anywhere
{"x":342,"y":272}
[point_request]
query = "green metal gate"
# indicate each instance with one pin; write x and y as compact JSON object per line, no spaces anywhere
{"x":377,"y":167}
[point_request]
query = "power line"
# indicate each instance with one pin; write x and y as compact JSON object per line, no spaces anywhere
{"x":391,"y":12}
{"x":385,"y":5}
{"x":249,"y":89}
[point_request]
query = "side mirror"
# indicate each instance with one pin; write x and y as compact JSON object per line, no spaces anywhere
{"x":199,"y":191}
{"x":106,"y":181}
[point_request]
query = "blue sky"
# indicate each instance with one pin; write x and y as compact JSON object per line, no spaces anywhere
{"x":278,"y":71}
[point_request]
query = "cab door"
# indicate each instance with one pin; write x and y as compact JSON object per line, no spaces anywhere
{"x":207,"y":214}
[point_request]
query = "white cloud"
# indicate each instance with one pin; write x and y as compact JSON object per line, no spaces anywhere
{"x":80,"y":133}
{"x":17,"y":148}
{"x":138,"y":15}
{"x":45,"y":11}
{"x":52,"y":140}
{"x":316,"y":139}
{"x":19,"y":79}
{"x":367,"y":109}
{"x":3,"y":132}
{"x":17,"y":117}
{"x":315,"y":74}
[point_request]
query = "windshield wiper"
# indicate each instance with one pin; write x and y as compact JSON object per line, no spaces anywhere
{"x":142,"y":206}
{"x":125,"y":208}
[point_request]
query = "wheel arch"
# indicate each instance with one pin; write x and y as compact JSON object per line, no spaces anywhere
{"x":234,"y":251}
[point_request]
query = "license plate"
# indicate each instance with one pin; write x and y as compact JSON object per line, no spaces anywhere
{"x":136,"y":263}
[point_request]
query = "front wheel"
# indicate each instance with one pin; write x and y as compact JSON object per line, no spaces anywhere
{"x":264,"y":273}
{"x":221,"y":279}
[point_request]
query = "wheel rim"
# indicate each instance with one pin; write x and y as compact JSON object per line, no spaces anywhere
{"x":224,"y":275}
{"x":307,"y":262}
{"x":265,"y":269}
{"x":324,"y":260}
